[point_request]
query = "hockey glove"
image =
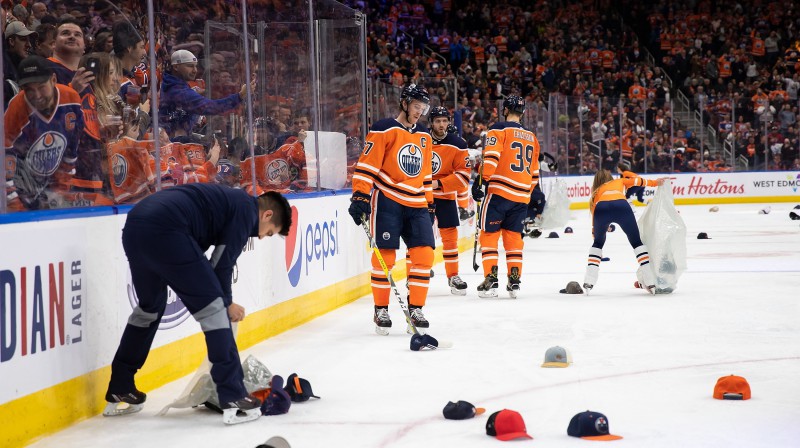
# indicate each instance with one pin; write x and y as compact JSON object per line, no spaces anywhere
{"x":432,"y":212}
{"x":478,"y":189}
{"x":359,"y":207}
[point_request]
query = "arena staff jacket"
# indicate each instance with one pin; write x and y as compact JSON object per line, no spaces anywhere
{"x":210,"y":214}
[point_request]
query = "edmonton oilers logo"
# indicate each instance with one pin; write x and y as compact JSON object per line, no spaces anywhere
{"x":45,"y":154}
{"x":436,"y":163}
{"x":601,"y":425}
{"x":175,"y":312}
{"x":277,"y":171}
{"x":409,"y":159}
{"x":119,"y":167}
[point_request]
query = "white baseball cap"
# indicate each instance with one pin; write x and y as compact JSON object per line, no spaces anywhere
{"x":182,"y":57}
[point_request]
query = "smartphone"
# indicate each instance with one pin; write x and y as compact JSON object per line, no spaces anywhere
{"x":93,"y":65}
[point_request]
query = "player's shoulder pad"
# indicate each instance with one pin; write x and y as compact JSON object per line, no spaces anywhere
{"x":419,"y":128}
{"x":500,"y":125}
{"x":454,"y":140}
{"x":384,"y":125}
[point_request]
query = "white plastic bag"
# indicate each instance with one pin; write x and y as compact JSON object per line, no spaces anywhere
{"x":556,"y":210}
{"x":664,"y":233}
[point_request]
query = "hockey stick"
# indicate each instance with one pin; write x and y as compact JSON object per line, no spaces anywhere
{"x":480,"y":203}
{"x":403,"y":305}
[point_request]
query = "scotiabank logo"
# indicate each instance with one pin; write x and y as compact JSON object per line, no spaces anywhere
{"x":41,"y":308}
{"x":311,"y":245}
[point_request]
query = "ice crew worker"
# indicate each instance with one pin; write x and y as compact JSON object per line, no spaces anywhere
{"x":165,"y":238}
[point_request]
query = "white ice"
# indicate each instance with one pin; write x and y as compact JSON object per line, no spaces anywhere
{"x":649,"y":363}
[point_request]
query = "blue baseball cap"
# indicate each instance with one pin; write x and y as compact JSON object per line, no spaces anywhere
{"x":423,"y":342}
{"x":277,"y":401}
{"x":590,"y":425}
{"x":461,"y":410}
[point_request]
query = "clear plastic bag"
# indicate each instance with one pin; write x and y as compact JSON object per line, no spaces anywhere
{"x":663,"y":231}
{"x":556,"y":210}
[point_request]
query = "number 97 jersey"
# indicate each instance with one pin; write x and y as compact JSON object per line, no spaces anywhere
{"x":511,"y":161}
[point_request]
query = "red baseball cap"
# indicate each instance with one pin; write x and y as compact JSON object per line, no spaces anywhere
{"x":732,"y":388}
{"x":506,"y":425}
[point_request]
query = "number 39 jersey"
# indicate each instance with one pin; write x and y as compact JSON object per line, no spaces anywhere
{"x":397,"y":161}
{"x":511,"y":161}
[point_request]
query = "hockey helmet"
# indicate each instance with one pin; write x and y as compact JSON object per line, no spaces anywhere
{"x":415,"y":92}
{"x":439,"y":111}
{"x":515,"y":104}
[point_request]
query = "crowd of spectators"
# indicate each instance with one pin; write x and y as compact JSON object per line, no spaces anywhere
{"x":77,"y":87}
{"x":593,"y":94}
{"x":471,"y":54}
{"x":739,"y":63}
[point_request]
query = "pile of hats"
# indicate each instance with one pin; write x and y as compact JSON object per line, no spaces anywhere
{"x":277,"y":399}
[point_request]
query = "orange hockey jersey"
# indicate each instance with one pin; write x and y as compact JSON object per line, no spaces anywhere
{"x":511,"y":161}
{"x":450,"y":166}
{"x":128,"y":170}
{"x":615,"y":189}
{"x":397,"y":161}
{"x":282,"y":170}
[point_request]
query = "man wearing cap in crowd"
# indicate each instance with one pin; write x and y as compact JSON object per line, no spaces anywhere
{"x":181,"y":105}
{"x":43,"y":126}
{"x":17,"y":47}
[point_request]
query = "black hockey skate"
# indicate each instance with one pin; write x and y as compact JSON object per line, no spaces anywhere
{"x":464,"y":214}
{"x":418,"y":319}
{"x":488,"y":288}
{"x":243,"y":410}
{"x":382,"y":320}
{"x":457,"y":286}
{"x":513,"y":283}
{"x":122,"y":404}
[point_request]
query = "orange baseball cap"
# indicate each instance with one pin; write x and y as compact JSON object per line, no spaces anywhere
{"x":732,"y":387}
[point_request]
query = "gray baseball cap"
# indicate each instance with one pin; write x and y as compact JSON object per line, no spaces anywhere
{"x":557,"y":357}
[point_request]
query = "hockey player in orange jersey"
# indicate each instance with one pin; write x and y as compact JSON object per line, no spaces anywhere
{"x":451,"y":171}
{"x":509,"y":173}
{"x":608,"y":204}
{"x":392,"y":188}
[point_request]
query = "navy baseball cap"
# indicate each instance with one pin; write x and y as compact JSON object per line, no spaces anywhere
{"x":277,"y":401}
{"x":461,"y":410}
{"x":703,"y":236}
{"x":423,"y":342}
{"x":553,"y":235}
{"x":568,"y":230}
{"x":299,"y":389}
{"x":590,"y":425}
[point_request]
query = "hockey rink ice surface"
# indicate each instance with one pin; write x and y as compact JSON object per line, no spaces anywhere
{"x":649,"y":363}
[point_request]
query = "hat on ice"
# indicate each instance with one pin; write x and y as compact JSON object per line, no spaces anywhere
{"x":553,"y":235}
{"x":423,"y":342}
{"x":568,"y":230}
{"x":794,"y":216}
{"x":590,"y":425}
{"x":714,"y":209}
{"x":765,"y":210}
{"x":612,"y":227}
{"x":461,"y":410}
{"x":277,"y":401}
{"x":703,"y":236}
{"x":275,"y":442}
{"x":506,"y":425}
{"x":572,"y":288}
{"x":732,"y":387}
{"x":299,"y":389}
{"x":557,"y":357}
